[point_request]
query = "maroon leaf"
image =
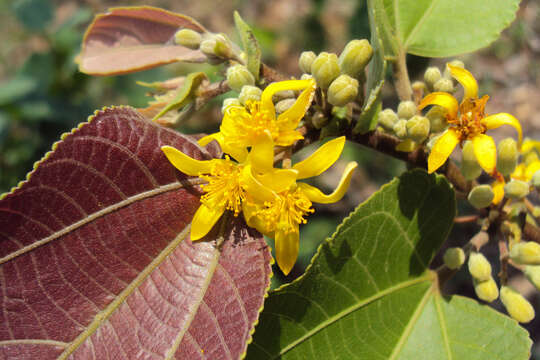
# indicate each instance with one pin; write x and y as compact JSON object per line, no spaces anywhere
{"x":96,"y":261}
{"x":129,"y":39}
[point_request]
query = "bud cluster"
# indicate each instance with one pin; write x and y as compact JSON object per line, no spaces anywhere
{"x":340,"y":77}
{"x":217,"y":47}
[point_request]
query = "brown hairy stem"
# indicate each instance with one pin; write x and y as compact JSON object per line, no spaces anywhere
{"x":401,"y":78}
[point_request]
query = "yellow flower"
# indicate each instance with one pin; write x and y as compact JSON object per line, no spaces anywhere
{"x":467,"y":122}
{"x":242,"y":126}
{"x":530,"y":162}
{"x":279,"y":216}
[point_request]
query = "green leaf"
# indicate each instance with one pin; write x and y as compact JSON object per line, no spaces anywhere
{"x":369,"y":294}
{"x":16,"y":88}
{"x":34,"y":14}
{"x":250,"y":45}
{"x":185,"y":94}
{"x":367,"y":120}
{"x":440,"y":28}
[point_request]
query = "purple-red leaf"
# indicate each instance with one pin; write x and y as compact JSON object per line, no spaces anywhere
{"x":129,"y":39}
{"x":96,"y":261}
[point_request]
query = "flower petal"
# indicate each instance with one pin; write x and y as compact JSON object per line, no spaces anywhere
{"x":466,"y":79}
{"x":204,"y":220}
{"x":531,"y":169}
{"x":442,"y":149}
{"x":443,"y":99}
{"x":186,"y":164}
{"x":485,"y":152}
{"x":288,"y":137}
{"x":261,"y":156}
{"x":496,"y":120}
{"x":279,"y":179}
{"x":498,"y":191}
{"x":316,"y":195}
{"x":529,"y":145}
{"x":291,"y":117}
{"x":254,"y":188}
{"x":287,"y":249}
{"x":266,"y":96}
{"x":238,"y":153}
{"x":321,"y":159}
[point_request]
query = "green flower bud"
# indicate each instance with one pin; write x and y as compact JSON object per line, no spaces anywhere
{"x":229,"y":102}
{"x":469,"y":165}
{"x":342,"y":90}
{"x":526,"y":252}
{"x":406,"y":109}
{"x":535,"y":180}
{"x":507,"y":156}
{"x":249,"y":92}
{"x":305,"y":61}
{"x":418,"y":128}
{"x":306,"y":77}
{"x":432,"y":75}
{"x":282,"y":95}
{"x":479,"y":266}
{"x":432,"y":140}
{"x":238,"y":76}
{"x":516,"y":189}
{"x":437,"y":118}
{"x":284,"y":105}
{"x":418,"y":87}
{"x":325,"y":69}
{"x":354,"y":57}
{"x":456,"y":63}
{"x":387,"y":119}
{"x":481,"y":196}
{"x":400,"y":128}
{"x":217,"y":47}
{"x":516,"y":305}
{"x":530,"y":157}
{"x":533,"y":274}
{"x":454,"y":257}
{"x":486,"y":290}
{"x":444,"y":85}
{"x":188,"y":38}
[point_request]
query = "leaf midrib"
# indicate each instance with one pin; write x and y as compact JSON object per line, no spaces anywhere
{"x":98,"y":214}
{"x":345,"y":312}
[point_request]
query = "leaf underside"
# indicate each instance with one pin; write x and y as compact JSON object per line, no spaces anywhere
{"x":369,"y":294}
{"x":131,"y":39}
{"x":96,"y":261}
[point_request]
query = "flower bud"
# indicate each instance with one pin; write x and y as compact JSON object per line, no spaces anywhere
{"x":400,"y":128}
{"x":479,"y":266}
{"x":418,"y":87}
{"x":437,"y":118}
{"x":456,"y":63}
{"x":533,"y":274}
{"x":217,"y":47}
{"x":535,"y":180}
{"x":305,"y":61}
{"x":516,"y":305}
{"x":229,"y":102}
{"x":507,"y":156}
{"x":306,"y":77}
{"x":516,"y":189}
{"x":526,"y":252}
{"x":469,"y":165}
{"x":282,"y":95}
{"x":249,"y":92}
{"x":486,"y":290}
{"x":284,"y":105}
{"x":342,"y":90}
{"x":188,"y":38}
{"x":238,"y":76}
{"x":432,"y":75}
{"x":387,"y":119}
{"x":354,"y":57}
{"x":444,"y":85}
{"x":325,"y":69}
{"x":406,"y":109}
{"x":418,"y":128}
{"x":454,"y":257}
{"x":481,"y":196}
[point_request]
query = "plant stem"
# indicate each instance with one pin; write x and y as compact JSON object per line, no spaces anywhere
{"x":401,"y":77}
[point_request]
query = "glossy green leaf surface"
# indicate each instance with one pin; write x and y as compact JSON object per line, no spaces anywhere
{"x":439,"y":28}
{"x":369,"y":294}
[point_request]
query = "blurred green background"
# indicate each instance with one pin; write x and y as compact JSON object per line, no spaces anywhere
{"x":42,"y":94}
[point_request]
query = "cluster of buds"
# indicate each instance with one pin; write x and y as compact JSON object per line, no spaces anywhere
{"x":338,"y":77}
{"x":217,"y":47}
